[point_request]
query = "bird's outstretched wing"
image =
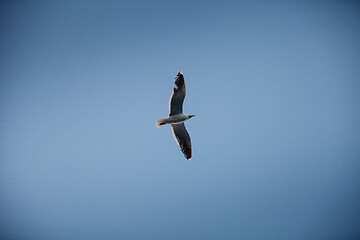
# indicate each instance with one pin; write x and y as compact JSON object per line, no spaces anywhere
{"x":178,"y":95}
{"x":183,"y":139}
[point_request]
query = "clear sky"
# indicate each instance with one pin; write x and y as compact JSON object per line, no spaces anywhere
{"x":275,"y":88}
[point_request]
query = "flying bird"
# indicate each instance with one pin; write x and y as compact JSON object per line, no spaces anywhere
{"x":177,"y":117}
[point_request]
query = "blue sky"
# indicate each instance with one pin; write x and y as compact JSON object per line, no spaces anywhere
{"x":275,"y":89}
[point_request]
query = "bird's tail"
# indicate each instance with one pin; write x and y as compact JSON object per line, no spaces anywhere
{"x":161,"y":122}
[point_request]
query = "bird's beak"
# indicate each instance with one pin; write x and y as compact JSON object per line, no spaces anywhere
{"x":192,"y":115}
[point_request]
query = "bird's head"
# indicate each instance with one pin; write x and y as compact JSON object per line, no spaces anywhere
{"x":190,"y":116}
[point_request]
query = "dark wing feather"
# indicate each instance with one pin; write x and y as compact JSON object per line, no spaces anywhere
{"x":183,"y":139}
{"x":178,"y":95}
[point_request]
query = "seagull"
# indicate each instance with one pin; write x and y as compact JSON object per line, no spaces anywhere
{"x":177,"y":118}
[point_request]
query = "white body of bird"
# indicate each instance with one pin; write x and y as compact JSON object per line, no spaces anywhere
{"x":174,"y":119}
